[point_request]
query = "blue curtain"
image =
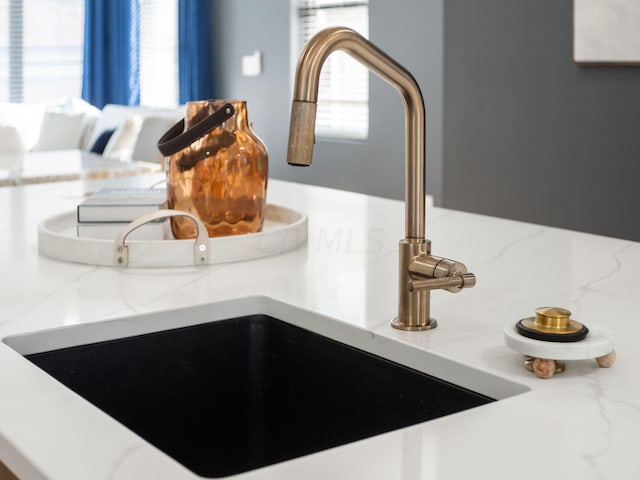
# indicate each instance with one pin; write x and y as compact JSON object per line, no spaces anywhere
{"x":111,"y":52}
{"x":194,"y":50}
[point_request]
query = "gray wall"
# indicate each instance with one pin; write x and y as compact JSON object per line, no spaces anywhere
{"x":409,"y":30}
{"x":514,"y":128}
{"x":530,"y":135}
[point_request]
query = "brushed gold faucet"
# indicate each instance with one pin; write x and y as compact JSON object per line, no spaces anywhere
{"x":419,"y":271}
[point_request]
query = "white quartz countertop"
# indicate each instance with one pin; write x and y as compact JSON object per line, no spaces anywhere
{"x":581,"y":424}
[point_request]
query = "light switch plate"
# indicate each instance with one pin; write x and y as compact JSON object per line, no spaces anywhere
{"x":252,"y":64}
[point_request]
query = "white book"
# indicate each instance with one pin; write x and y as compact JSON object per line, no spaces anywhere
{"x":121,"y":204}
{"x":110,"y":230}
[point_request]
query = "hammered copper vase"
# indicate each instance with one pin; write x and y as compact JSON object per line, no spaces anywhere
{"x":221,"y":177}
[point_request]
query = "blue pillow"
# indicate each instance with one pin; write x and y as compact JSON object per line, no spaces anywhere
{"x":101,"y":142}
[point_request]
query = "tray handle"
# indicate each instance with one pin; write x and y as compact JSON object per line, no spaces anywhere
{"x":200,"y":250}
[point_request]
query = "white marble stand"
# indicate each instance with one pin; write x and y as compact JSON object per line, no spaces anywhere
{"x":547,"y":358}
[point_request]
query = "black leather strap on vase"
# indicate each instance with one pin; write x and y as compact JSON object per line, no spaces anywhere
{"x":177,"y":138}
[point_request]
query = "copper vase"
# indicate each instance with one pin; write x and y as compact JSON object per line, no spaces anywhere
{"x":221,"y":177}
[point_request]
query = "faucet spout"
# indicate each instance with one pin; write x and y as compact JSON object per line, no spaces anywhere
{"x":305,"y":97}
{"x":419,"y":271}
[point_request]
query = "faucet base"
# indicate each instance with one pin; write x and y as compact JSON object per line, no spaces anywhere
{"x":395,"y":323}
{"x":413,"y":306}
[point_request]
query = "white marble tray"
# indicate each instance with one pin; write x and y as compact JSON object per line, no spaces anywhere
{"x":283,"y":230}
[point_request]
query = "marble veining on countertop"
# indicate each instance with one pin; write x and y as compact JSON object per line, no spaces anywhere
{"x":586,"y":420}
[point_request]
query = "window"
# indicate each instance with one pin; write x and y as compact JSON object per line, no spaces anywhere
{"x":40,"y":49}
{"x":158,"y":53}
{"x":343,"y":99}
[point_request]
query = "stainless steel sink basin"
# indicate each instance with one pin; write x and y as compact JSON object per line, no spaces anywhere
{"x":223,"y":392}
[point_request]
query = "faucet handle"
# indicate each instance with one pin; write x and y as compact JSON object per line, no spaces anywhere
{"x":452,"y":284}
{"x":431,"y":266}
{"x":438,"y":273}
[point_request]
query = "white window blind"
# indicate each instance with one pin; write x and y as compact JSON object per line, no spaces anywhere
{"x":343,"y":98}
{"x":40,"y":49}
{"x":158,"y":53}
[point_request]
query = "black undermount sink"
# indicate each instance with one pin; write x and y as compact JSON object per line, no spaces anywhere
{"x":233,"y":395}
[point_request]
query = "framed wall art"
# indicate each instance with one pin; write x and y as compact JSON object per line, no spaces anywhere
{"x":606,"y":32}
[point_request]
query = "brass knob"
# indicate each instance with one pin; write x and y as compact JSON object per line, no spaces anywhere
{"x":552,"y":317}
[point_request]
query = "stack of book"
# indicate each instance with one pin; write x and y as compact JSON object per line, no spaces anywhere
{"x":108,"y":211}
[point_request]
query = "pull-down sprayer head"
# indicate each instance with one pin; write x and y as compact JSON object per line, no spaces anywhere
{"x":302,"y":133}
